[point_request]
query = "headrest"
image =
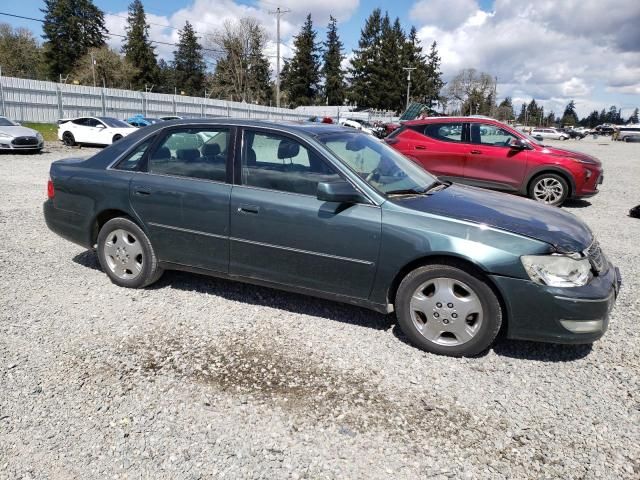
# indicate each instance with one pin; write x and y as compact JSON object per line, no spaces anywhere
{"x":288,"y":149}
{"x":162,"y":152}
{"x":188,"y":154}
{"x":210,"y":150}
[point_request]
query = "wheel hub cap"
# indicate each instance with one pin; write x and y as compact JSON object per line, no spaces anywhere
{"x":446,"y":311}
{"x":123,"y":254}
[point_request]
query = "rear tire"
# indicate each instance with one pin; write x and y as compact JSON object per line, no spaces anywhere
{"x":68,"y":139}
{"x":448,"y":310}
{"x":549,"y":188}
{"x":126,"y":254}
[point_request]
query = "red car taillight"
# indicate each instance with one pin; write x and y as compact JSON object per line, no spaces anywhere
{"x":50,"y":190}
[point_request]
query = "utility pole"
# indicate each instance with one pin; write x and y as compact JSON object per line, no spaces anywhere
{"x":409,"y":70}
{"x":278,"y":12}
{"x":93,"y":69}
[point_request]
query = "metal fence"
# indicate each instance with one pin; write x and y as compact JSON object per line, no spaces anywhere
{"x":28,"y":100}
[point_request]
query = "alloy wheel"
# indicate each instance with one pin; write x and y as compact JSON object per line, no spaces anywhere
{"x":123,"y":253}
{"x":548,"y":190}
{"x":446,"y":311}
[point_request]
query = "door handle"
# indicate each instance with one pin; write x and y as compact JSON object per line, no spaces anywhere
{"x":476,"y":152}
{"x":252,"y":209}
{"x":420,"y":147}
{"x":142,"y":193}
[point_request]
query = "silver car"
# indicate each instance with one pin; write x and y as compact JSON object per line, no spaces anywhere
{"x":14,"y":136}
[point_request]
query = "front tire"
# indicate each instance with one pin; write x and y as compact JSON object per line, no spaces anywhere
{"x":126,"y":254}
{"x":549,"y":188}
{"x":448,"y":310}
{"x":116,"y":138}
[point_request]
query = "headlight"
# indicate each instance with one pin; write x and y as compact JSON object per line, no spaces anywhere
{"x":39,"y":136}
{"x":557,"y":270}
{"x":5,"y":135}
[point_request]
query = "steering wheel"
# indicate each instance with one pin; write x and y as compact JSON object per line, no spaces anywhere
{"x":374,"y":175}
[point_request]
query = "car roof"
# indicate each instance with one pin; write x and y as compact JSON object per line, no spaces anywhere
{"x":424,"y":121}
{"x":291,"y":126}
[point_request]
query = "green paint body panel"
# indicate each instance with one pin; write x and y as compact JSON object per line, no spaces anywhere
{"x":350,"y":253}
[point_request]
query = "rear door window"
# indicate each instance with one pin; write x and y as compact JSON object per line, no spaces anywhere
{"x":445,"y":132}
{"x":194,"y":152}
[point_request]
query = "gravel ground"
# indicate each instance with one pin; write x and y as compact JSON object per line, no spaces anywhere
{"x":199,"y":378}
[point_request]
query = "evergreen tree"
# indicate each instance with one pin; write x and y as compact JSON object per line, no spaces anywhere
{"x":70,"y":29}
{"x":366,"y":89}
{"x":166,"y":77}
{"x":334,"y":84}
{"x":550,"y":120}
{"x":522,"y":116}
{"x":570,"y":117}
{"x":188,"y":63}
{"x":301,"y":76}
{"x":137,"y":48}
{"x":414,"y":58}
{"x":434,"y":75}
{"x":505,"y":110}
{"x":391,"y":62}
{"x":259,"y":71}
{"x":634,"y":117}
{"x":602,"y":117}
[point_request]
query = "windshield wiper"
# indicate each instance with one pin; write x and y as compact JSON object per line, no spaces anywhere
{"x":432,"y":188}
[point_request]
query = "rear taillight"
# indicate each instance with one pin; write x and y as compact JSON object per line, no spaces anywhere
{"x":50,"y":190}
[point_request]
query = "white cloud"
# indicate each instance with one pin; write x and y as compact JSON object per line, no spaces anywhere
{"x":550,"y":51}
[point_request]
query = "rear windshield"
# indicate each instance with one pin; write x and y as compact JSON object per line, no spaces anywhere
{"x":114,"y":122}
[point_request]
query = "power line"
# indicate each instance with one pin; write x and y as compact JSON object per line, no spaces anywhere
{"x":41,"y":20}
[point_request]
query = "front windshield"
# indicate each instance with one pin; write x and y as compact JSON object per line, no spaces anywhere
{"x":114,"y":122}
{"x":5,"y":122}
{"x":381,"y":166}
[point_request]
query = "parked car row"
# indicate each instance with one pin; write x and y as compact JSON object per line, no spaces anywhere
{"x":336,"y":213}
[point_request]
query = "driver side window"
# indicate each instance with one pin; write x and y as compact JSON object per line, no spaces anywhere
{"x":487,"y":134}
{"x":276,"y":162}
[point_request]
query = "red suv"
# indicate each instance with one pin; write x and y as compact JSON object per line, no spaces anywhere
{"x":487,"y":153}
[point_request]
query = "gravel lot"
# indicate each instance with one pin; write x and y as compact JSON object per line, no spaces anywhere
{"x":200,"y":378}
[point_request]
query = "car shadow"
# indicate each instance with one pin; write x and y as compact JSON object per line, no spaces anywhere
{"x":576,"y":203}
{"x":260,"y":296}
{"x":340,"y":312}
{"x":542,"y":352}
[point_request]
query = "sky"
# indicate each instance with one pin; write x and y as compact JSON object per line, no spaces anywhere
{"x":550,"y":50}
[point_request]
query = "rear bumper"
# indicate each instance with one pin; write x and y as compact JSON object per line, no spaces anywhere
{"x":559,"y":315}
{"x":69,"y":225}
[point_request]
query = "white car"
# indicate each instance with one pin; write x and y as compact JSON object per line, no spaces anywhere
{"x":14,"y":136}
{"x":549,"y":133}
{"x":347,"y":122}
{"x":92,"y":130}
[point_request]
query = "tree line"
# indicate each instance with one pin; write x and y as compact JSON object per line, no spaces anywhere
{"x":75,"y":50}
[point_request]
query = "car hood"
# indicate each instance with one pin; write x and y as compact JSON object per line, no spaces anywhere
{"x":561,"y":152}
{"x":18,"y":131}
{"x":507,"y":212}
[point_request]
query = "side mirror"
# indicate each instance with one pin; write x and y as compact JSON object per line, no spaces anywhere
{"x":100,"y":126}
{"x":518,"y":144}
{"x":339,"y":192}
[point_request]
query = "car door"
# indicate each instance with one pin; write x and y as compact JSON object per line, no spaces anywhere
{"x":491,"y":162}
{"x":80,"y":129}
{"x":182,"y":196}
{"x":281,"y":232}
{"x":437,"y":147}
